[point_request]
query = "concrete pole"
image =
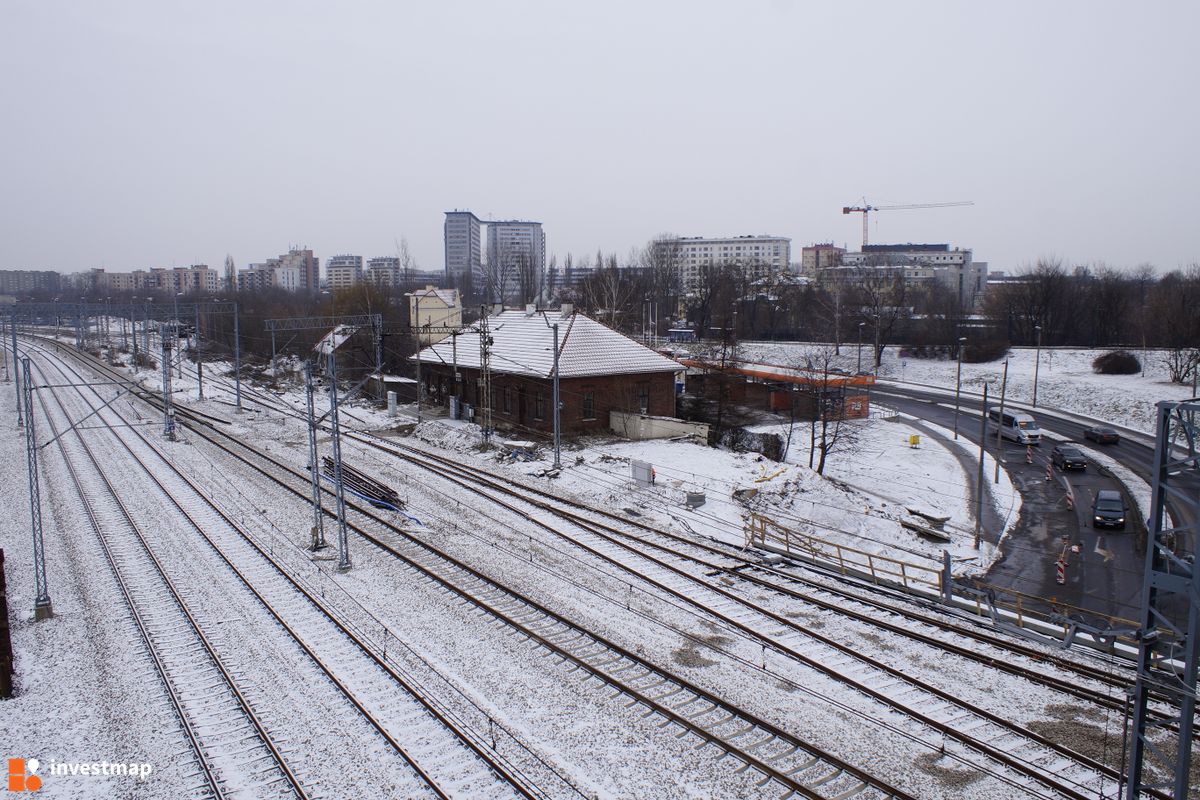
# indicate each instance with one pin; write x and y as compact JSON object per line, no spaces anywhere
{"x":272,"y":354}
{"x":1037,"y":363}
{"x":454,"y":368}
{"x":878,"y":355}
{"x":1000,"y":422}
{"x":237,"y":357}
{"x":417,"y":298}
{"x":199,"y":363}
{"x":16,"y":370}
{"x":958,"y":384}
{"x":336,"y":436}
{"x":979,"y":477}
{"x":557,"y":461}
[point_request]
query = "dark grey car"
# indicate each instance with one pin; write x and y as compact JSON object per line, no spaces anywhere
{"x":1067,"y":456}
{"x":1108,"y":510}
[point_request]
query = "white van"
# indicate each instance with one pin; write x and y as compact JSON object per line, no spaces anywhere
{"x":1015,"y":425}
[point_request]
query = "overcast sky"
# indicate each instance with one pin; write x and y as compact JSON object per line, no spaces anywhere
{"x":140,"y":134}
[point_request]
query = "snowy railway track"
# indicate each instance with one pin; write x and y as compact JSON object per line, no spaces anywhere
{"x":1045,"y":756}
{"x":781,"y":759}
{"x":235,"y":753}
{"x":1009,"y":745}
{"x":712,"y":557}
{"x":1001,"y":649}
{"x":449,"y":759}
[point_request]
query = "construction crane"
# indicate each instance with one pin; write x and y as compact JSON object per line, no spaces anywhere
{"x":866,"y":210}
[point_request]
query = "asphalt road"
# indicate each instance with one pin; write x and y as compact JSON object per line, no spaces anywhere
{"x":1105,"y":568}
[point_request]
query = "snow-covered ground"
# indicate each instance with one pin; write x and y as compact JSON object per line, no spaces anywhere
{"x":1066,"y":380}
{"x":859,"y":503}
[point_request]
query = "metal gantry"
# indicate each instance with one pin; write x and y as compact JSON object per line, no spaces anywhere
{"x":485,"y":379}
{"x":318,"y":529}
{"x":16,"y":371}
{"x":168,"y":408}
{"x":375,"y":321}
{"x":42,"y":608}
{"x":1169,"y":636}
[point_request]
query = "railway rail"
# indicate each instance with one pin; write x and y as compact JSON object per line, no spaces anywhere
{"x":229,"y":741}
{"x":782,"y":582}
{"x":366,"y":682}
{"x":780,"y":758}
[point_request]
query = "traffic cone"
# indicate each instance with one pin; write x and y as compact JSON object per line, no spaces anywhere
{"x":1029,"y":454}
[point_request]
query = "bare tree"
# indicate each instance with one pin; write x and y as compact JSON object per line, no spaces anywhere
{"x":829,"y":430}
{"x":883,"y":300}
{"x":1173,"y":308}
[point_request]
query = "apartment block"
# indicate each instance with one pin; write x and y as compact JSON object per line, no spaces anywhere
{"x":344,"y":271}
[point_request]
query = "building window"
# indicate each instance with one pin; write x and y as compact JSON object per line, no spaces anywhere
{"x":507,"y":396}
{"x":539,"y":406}
{"x":644,"y":398}
{"x":589,"y":405}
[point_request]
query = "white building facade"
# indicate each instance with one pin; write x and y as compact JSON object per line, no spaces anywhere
{"x":516,"y":258}
{"x":954,"y":268}
{"x":755,"y":256}
{"x":344,"y":271}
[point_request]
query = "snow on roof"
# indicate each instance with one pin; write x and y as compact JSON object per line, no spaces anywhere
{"x":448,"y":297}
{"x":523,"y":344}
{"x":336,"y":338}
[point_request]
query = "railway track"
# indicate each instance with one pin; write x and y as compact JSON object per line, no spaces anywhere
{"x":867,"y":603}
{"x":447,"y":761}
{"x":614,"y":544}
{"x":1012,"y":745}
{"x":229,"y":741}
{"x":780,"y":759}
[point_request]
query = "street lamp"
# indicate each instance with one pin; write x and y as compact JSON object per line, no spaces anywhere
{"x":958,"y":384}
{"x":1037,"y":362}
{"x":860,"y":327}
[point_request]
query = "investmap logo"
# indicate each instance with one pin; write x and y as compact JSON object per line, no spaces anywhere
{"x":22,"y":775}
{"x":23,"y":772}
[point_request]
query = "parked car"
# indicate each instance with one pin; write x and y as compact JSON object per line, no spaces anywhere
{"x":1067,"y":456}
{"x":1101,"y":434}
{"x":1108,"y":510}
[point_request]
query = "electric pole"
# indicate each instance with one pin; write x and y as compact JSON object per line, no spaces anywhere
{"x":318,"y":529}
{"x":42,"y":609}
{"x":336,"y":435}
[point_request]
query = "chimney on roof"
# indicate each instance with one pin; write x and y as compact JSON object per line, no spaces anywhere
{"x":530,"y":309}
{"x":568,"y":309}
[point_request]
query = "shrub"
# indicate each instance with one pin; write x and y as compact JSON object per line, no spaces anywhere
{"x":985,"y":351}
{"x":1117,"y":362}
{"x":940,"y":352}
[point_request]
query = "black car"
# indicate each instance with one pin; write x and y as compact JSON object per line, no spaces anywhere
{"x":1067,"y":456}
{"x":1101,"y":435}
{"x":1108,"y":510}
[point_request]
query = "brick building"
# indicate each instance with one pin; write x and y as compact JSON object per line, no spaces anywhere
{"x":600,"y":371}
